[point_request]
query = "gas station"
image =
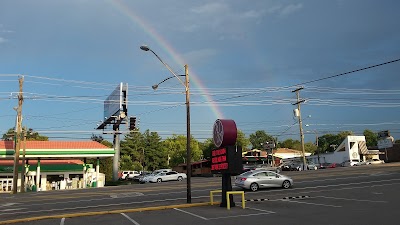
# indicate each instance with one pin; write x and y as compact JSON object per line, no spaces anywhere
{"x":53,"y":165}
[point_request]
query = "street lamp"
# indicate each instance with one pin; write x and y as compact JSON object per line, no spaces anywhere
{"x":186,"y":85}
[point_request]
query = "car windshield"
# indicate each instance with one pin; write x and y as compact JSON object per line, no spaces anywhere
{"x":246,"y":174}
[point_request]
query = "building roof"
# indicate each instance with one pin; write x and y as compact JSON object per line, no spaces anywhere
{"x":44,"y":162}
{"x":57,"y":149}
{"x":286,"y":150}
{"x":55,"y":145}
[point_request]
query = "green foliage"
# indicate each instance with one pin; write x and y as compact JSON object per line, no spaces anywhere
{"x":397,"y":142}
{"x":242,"y":140}
{"x":177,"y":149}
{"x":289,"y":143}
{"x":144,"y":149}
{"x":259,"y":138}
{"x":206,"y":147}
{"x":325,"y":141}
{"x":31,"y":135}
{"x":371,"y":138}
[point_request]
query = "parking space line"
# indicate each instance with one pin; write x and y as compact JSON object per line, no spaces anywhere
{"x":192,"y":214}
{"x":351,"y":199}
{"x":62,"y":221}
{"x":225,"y":217}
{"x":260,"y":210}
{"x":130,"y":219}
{"x":310,"y":203}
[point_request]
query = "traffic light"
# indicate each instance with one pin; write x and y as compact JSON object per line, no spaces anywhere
{"x":132,"y":123}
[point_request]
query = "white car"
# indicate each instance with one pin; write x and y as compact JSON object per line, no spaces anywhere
{"x":374,"y":161}
{"x":165,"y":176}
{"x":129,"y":174}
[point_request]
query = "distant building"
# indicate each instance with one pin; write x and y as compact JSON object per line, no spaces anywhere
{"x":352,"y":148}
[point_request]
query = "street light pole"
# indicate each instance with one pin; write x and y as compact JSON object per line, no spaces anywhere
{"x":187,"y":93}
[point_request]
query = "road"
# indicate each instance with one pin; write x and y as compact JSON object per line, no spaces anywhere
{"x":350,"y":195}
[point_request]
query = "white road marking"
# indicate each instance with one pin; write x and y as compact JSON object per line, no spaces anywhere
{"x":310,"y":203}
{"x":8,"y":210}
{"x":192,"y":214}
{"x":341,"y":178}
{"x":351,"y":199}
{"x":130,"y":219}
{"x":260,"y":210}
{"x":8,"y":204}
{"x":225,"y":217}
{"x":62,"y":221}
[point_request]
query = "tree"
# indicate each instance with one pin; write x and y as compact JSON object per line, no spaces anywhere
{"x":242,"y":140}
{"x":259,"y":138}
{"x":31,"y":135}
{"x":326,"y":141}
{"x":289,"y":143}
{"x":177,"y":149}
{"x":154,"y":151}
{"x":206,"y":147}
{"x":371,"y":138}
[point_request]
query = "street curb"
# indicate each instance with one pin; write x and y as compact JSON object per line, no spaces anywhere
{"x":71,"y":215}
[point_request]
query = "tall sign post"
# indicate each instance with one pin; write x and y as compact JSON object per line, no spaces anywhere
{"x":226,"y":159}
{"x":385,"y":141}
{"x":115,"y":113}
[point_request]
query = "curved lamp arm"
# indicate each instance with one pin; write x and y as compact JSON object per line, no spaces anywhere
{"x":156,"y":85}
{"x":146,"y":48}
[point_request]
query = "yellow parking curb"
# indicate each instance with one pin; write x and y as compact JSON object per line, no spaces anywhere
{"x":104,"y":212}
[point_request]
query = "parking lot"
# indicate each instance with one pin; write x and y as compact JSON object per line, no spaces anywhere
{"x":354,"y":199}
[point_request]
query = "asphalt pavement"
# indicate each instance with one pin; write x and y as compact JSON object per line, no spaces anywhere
{"x":351,"y":195}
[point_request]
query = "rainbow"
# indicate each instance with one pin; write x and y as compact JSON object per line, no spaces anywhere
{"x":135,"y":18}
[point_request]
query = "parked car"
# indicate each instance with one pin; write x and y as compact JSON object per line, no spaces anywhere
{"x":352,"y":162}
{"x":130,"y":174}
{"x":374,"y":161}
{"x":141,"y":176}
{"x":361,"y":163}
{"x":323,"y":165}
{"x":248,"y":167}
{"x":333,"y":165}
{"x":268,"y":167}
{"x":165,"y":176}
{"x":256,"y":179}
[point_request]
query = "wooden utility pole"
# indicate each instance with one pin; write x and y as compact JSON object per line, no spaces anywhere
{"x":23,"y":171}
{"x":301,"y":125}
{"x":17,"y":136}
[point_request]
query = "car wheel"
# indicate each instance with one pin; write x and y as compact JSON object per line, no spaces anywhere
{"x":159,"y":180}
{"x":180,"y":178}
{"x":286,"y":184}
{"x":254,"y":186}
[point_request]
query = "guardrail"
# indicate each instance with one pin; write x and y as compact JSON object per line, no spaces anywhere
{"x":228,"y":206}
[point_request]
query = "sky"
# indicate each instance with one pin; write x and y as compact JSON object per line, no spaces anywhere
{"x":244,"y":60}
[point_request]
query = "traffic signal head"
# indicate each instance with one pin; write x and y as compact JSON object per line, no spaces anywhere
{"x":132,"y":123}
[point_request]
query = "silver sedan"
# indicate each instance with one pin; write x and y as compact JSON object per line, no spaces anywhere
{"x":257,"y":179}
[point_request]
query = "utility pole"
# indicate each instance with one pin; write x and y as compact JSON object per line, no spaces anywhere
{"x":17,"y":137}
{"x":300,"y":124}
{"x":23,"y":171}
